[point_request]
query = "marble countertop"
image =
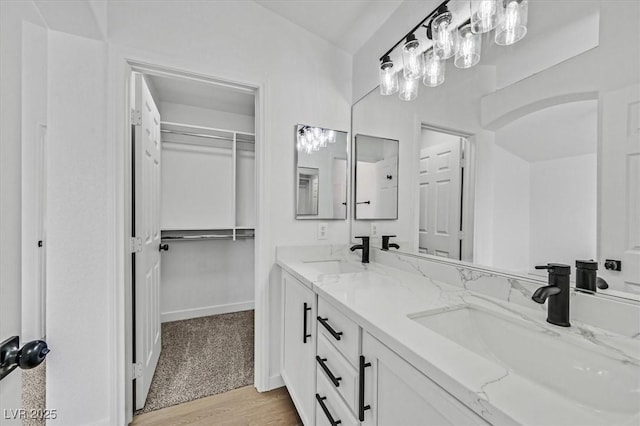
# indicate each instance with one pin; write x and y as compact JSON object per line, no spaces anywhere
{"x":380,"y":298}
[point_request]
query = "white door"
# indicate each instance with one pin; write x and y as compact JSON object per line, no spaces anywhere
{"x":399,"y":395}
{"x":441,"y":199}
{"x":147,"y":229}
{"x":620,"y":187}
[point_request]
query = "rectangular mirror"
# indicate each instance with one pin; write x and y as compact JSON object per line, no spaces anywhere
{"x":376,"y":178}
{"x":321,"y":173}
{"x":515,"y":162}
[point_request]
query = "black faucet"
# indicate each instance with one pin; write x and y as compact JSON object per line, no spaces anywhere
{"x":365,"y":249}
{"x":557,"y":292}
{"x":385,"y":242}
{"x":587,"y":276}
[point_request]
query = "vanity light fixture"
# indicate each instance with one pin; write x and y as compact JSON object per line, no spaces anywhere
{"x":409,"y":89}
{"x":434,"y":69}
{"x":445,"y":35}
{"x":388,"y":77}
{"x":468,"y":53}
{"x":484,"y":15}
{"x":450,"y":36}
{"x":412,"y":58}
{"x":512,"y":21}
{"x":311,"y":139}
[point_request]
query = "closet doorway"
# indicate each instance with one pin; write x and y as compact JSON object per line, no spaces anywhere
{"x":193,"y":223}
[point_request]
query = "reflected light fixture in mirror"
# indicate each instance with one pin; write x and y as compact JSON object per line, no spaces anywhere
{"x":388,"y":77}
{"x":445,"y":35}
{"x":468,"y":53}
{"x":434,"y":70}
{"x":314,"y":138}
{"x":512,"y":26}
{"x":484,"y":15}
{"x":412,"y":58}
{"x":408,"y":89}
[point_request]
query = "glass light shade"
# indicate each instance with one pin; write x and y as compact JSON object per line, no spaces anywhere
{"x":408,"y":89}
{"x":412,"y":59}
{"x":470,"y":47}
{"x":512,"y":21}
{"x":484,"y":15}
{"x":445,"y":35}
{"x":434,"y":70}
{"x":388,"y":78}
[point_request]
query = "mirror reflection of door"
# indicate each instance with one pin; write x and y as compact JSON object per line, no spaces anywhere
{"x":308,"y":182}
{"x":441,"y":194}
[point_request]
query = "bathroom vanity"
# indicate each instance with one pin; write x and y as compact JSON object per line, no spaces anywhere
{"x":410,"y":340}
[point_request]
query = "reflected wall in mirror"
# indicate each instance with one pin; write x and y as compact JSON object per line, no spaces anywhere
{"x":527,"y":158}
{"x":376,"y":178}
{"x":321,"y":173}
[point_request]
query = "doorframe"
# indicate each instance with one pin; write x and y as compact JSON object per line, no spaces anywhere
{"x":121,"y":64}
{"x":468,"y":186}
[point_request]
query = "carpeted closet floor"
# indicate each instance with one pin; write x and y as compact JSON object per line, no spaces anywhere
{"x":202,"y":357}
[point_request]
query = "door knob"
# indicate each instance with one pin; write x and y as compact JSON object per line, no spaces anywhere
{"x":29,"y":356}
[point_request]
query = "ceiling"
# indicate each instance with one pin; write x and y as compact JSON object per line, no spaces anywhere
{"x":560,"y":131}
{"x":347,"y":24}
{"x":203,"y":95}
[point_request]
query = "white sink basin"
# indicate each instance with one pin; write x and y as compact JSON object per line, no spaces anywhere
{"x":334,"y":267}
{"x":556,"y":361}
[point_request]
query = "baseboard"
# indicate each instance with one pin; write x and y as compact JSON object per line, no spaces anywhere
{"x":275,"y":382}
{"x":206,"y":311}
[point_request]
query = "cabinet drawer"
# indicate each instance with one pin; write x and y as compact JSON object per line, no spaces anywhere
{"x":343,"y":333}
{"x":329,"y":404}
{"x":330,"y":362}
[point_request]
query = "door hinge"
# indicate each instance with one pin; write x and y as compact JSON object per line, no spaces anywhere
{"x":135,"y":244}
{"x":136,"y":117}
{"x":461,"y":235}
{"x":136,"y":370}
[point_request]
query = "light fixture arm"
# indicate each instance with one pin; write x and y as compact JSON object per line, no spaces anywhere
{"x":442,"y":6}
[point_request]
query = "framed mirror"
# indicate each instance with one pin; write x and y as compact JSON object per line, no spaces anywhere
{"x":376,"y":178}
{"x":516,"y":162}
{"x":321,"y":172}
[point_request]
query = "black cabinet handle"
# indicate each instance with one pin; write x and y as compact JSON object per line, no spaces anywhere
{"x":305,"y":336}
{"x":164,"y":247}
{"x":320,"y":400}
{"x":335,"y":380}
{"x":361,"y":407}
{"x":336,"y":334}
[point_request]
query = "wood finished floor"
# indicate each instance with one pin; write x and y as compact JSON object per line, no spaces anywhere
{"x":243,"y":406}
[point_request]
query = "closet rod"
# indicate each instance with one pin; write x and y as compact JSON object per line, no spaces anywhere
{"x":200,"y":135}
{"x":193,"y":126}
{"x":205,"y":237}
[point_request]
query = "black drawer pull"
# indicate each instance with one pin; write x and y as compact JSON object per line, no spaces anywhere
{"x":320,"y":400}
{"x":305,"y":336}
{"x":335,"y":380}
{"x":336,"y":334}
{"x":361,"y":407}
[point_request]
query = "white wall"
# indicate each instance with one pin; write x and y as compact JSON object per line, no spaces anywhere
{"x":12,"y":16}
{"x":511,"y":200}
{"x":563,"y":210}
{"x":79,"y":367}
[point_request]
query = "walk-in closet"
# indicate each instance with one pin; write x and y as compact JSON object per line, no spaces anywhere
{"x":194,"y":210}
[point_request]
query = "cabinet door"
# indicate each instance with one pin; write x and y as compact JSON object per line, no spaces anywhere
{"x":299,"y":345}
{"x":398,"y":394}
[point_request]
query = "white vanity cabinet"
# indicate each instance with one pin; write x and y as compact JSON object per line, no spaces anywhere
{"x":398,"y":394}
{"x":299,"y":345}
